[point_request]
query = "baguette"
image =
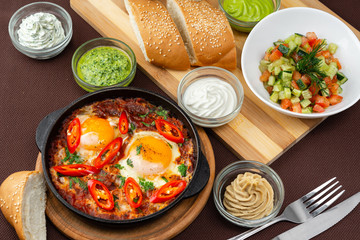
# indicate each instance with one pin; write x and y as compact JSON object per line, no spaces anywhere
{"x":206,"y":32}
{"x":158,"y":37}
{"x":22,"y":201}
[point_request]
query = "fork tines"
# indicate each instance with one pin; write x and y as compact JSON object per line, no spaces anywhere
{"x":311,"y":199}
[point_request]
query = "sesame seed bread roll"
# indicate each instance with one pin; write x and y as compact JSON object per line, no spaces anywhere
{"x":206,"y":32}
{"x":23,"y":201}
{"x":158,"y":37}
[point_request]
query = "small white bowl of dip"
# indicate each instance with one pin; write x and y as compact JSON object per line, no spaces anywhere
{"x":211,"y":96}
{"x":40,"y":30}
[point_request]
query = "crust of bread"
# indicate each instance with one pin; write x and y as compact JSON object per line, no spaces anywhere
{"x":11,"y":200}
{"x":157,"y":34}
{"x":206,"y":32}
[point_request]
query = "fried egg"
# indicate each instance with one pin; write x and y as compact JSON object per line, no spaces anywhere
{"x":96,"y":133}
{"x":150,"y":156}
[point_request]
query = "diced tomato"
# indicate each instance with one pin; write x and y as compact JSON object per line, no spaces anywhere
{"x":265,"y":76}
{"x":337,"y":63}
{"x":322,"y":101}
{"x":285,"y":103}
{"x":304,"y":41}
{"x":335,"y":99}
{"x":296,"y":75}
{"x":327,"y":80}
{"x":269,"y":89}
{"x":315,"y":43}
{"x":326,"y":54}
{"x":294,"y":84}
{"x":275,"y":55}
{"x":296,"y":57}
{"x":305,"y":79}
{"x":318,"y":108}
{"x":333,"y":87}
{"x":296,"y":108}
{"x":334,"y":80}
{"x":314,"y":89}
{"x":267,"y":56}
{"x":311,"y":37}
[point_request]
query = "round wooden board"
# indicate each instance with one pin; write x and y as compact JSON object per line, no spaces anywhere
{"x":165,"y":226}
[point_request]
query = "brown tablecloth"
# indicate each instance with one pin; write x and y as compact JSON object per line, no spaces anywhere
{"x":31,"y":89}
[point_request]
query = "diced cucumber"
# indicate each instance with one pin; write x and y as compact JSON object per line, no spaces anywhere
{"x":278,"y":87}
{"x":287,"y":92}
{"x":296,"y":92}
{"x":341,"y":78}
{"x":286,"y":75}
{"x":301,"y":84}
{"x":307,"y":110}
{"x":278,"y":42}
{"x":292,"y":46}
{"x":332,"y":70}
{"x":277,"y":70}
{"x":269,"y":50}
{"x":332,"y":48}
{"x":271,"y":80}
{"x":321,"y":84}
{"x":288,"y":67}
{"x":298,"y":39}
{"x":305,"y":102}
{"x":299,"y":34}
{"x":325,"y":92}
{"x":306,"y":94}
{"x":287,"y":83}
{"x":282,"y":95}
{"x":284,"y":50}
{"x":289,"y":39}
{"x":340,"y":90}
{"x":301,"y":52}
{"x":294,"y":100}
{"x":274,"y":97}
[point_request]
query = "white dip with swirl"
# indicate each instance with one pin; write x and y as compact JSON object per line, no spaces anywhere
{"x":210,"y":98}
{"x":40,"y":30}
{"x":249,"y":196}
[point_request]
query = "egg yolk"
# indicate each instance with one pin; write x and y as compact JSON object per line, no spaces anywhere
{"x":96,"y":133}
{"x":153,"y":150}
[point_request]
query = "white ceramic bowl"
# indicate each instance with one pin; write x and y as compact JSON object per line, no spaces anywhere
{"x":283,"y":23}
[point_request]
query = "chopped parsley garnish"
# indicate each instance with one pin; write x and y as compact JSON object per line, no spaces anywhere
{"x":170,"y":145}
{"x":77,"y":180}
{"x":163,"y":113}
{"x":146,"y":124}
{"x":136,"y":199}
{"x":122,"y":180}
{"x":180,"y":144}
{"x":118,"y":166}
{"x":129,"y":162}
{"x":71,"y":157}
{"x":182,"y":169}
{"x":146,"y":185}
{"x":144,"y":115}
{"x":132,"y":127}
{"x":165,"y":179}
{"x":138,"y":149}
{"x":116,"y":204}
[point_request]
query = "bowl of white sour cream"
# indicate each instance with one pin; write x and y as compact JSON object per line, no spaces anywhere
{"x":40,"y":30}
{"x":211,"y":96}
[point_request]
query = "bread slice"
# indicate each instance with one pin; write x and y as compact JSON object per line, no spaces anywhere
{"x":158,"y":37}
{"x":22,"y":201}
{"x":206,"y":32}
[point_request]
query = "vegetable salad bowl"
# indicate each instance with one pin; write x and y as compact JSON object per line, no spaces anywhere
{"x":302,"y":20}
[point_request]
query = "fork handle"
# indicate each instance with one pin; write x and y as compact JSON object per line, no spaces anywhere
{"x":252,"y":231}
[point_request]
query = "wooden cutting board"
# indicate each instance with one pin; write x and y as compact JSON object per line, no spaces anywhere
{"x":258,"y":132}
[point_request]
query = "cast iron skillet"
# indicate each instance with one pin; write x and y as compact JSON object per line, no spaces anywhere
{"x":49,"y":126}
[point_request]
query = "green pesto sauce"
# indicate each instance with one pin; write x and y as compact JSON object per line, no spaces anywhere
{"x":248,"y":10}
{"x":104,"y":66}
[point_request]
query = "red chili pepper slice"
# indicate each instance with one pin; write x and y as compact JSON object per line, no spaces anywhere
{"x":100,"y":193}
{"x":108,"y":153}
{"x":168,"y":191}
{"x":76,"y":170}
{"x":73,"y":135}
{"x":123,"y":123}
{"x":169,"y":131}
{"x":133,"y":192}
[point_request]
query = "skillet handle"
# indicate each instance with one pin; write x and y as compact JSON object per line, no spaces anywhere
{"x":44,"y":127}
{"x":201,"y":178}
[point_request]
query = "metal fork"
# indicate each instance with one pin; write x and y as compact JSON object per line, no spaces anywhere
{"x":302,"y":209}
